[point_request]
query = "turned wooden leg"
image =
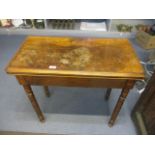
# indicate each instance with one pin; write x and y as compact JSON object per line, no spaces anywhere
{"x":34,"y":103}
{"x":108,"y":92}
{"x":120,"y":101}
{"x":46,"y":90}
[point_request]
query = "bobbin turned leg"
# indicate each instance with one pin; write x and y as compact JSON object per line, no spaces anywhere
{"x":108,"y":92}
{"x":120,"y":102}
{"x":46,"y":90}
{"x":34,"y":103}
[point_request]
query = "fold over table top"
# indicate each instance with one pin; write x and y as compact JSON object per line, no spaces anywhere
{"x":65,"y":56}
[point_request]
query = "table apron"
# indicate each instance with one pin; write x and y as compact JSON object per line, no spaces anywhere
{"x":71,"y":81}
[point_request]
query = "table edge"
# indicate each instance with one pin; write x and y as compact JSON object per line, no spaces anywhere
{"x":40,"y":72}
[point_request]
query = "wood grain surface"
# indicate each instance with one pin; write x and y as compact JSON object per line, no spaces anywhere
{"x":99,"y":57}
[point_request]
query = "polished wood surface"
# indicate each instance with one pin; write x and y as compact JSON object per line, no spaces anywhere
{"x":80,"y":62}
{"x":76,"y":56}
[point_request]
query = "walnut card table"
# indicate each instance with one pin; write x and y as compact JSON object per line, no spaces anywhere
{"x":80,"y":62}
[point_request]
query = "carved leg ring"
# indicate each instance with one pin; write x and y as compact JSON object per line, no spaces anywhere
{"x":34,"y":103}
{"x":120,"y":102}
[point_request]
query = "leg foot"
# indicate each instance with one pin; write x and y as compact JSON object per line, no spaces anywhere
{"x":46,"y":90}
{"x":110,"y":124}
{"x":108,"y":92}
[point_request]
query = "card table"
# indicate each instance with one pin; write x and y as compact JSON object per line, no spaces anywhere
{"x":76,"y":62}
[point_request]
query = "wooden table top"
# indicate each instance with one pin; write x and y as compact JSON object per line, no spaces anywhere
{"x":99,"y":57}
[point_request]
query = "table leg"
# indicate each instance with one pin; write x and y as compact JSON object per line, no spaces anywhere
{"x":120,"y":102}
{"x":46,"y":90}
{"x":108,"y":92}
{"x":34,"y":103}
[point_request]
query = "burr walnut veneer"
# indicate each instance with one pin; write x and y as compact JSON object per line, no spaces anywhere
{"x":83,"y":62}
